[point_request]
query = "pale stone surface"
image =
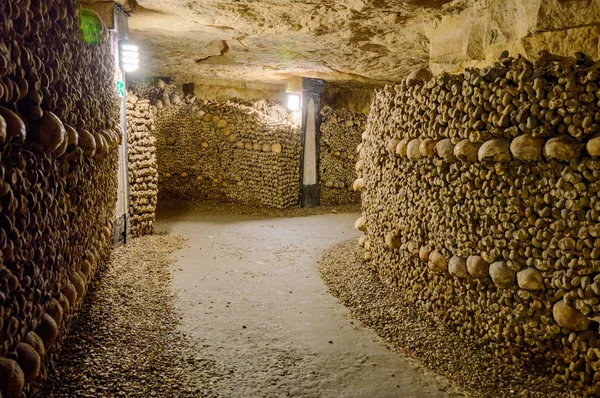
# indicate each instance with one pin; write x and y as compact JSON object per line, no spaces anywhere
{"x":363,"y":41}
{"x":222,"y":90}
{"x":353,"y":40}
{"x":358,"y":40}
{"x":314,"y":350}
{"x":477,"y":34}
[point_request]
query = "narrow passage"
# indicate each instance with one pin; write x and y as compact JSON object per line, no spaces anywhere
{"x":251,"y":300}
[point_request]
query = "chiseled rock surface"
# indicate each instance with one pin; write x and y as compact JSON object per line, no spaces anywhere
{"x":477,"y":34}
{"x":351,"y":40}
{"x":362,"y":40}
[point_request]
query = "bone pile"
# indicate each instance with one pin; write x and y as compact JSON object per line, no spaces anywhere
{"x":341,"y":132}
{"x":58,"y":180}
{"x":160,"y":94}
{"x":271,"y":109}
{"x":143,"y":175}
{"x":228,"y":152}
{"x":480,"y":200}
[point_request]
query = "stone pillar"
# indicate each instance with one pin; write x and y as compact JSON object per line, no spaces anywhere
{"x":122,"y":230}
{"x":312,"y":89}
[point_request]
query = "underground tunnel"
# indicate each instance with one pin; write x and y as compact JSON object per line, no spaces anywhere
{"x":276,"y":198}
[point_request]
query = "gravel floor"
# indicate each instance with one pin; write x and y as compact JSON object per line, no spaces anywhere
{"x":253,"y":301}
{"x":240,"y":311}
{"x":229,"y":305}
{"x":410,"y":331}
{"x":125,"y":342}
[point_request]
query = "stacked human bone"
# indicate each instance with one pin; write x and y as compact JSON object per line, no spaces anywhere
{"x":143,"y":174}
{"x":227,"y":151}
{"x":271,"y":109}
{"x":480,"y":201}
{"x":57,"y":180}
{"x":160,"y":93}
{"x":341,"y":132}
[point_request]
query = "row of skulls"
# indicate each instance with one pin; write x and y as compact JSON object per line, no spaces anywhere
{"x":480,"y":200}
{"x":58,"y":135}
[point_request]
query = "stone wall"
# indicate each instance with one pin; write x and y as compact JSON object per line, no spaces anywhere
{"x":57,"y":144}
{"x":474,"y":33}
{"x":143,"y":173}
{"x":354,"y":97}
{"x":228,"y":152}
{"x":224,"y":90}
{"x":480,"y":200}
{"x":341,"y":132}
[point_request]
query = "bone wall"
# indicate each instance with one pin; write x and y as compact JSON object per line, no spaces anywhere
{"x":143,"y":173}
{"x":57,"y":145}
{"x":480,"y":200}
{"x":341,"y":132}
{"x":228,"y":152}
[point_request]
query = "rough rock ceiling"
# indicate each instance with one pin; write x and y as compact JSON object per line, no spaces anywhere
{"x":364,"y":41}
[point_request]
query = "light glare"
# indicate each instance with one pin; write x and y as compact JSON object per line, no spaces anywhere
{"x":134,"y":61}
{"x":132,"y":54}
{"x":130,"y":67}
{"x":129,"y":56}
{"x":293,"y":102}
{"x":129,"y":47}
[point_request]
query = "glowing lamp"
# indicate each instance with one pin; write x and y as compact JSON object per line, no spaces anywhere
{"x":293,"y":102}
{"x":128,"y":56}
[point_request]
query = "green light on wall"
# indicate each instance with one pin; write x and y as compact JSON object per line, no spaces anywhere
{"x":90,"y":26}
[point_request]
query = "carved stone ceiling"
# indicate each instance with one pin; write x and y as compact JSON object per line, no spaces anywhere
{"x":359,"y":41}
{"x":365,"y":41}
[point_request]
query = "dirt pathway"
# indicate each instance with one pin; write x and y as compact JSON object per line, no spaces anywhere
{"x":252,"y":302}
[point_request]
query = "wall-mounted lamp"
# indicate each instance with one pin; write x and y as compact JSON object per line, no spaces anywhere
{"x":294,"y":102}
{"x":129,"y":56}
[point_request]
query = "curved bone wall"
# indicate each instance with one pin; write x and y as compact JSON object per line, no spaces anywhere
{"x":58,"y":180}
{"x":341,"y":132}
{"x":226,"y":151}
{"x":143,"y":173}
{"x":480,"y":200}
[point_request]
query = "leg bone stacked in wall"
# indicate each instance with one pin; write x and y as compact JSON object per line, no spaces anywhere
{"x":480,"y":200}
{"x":341,"y":132}
{"x":143,"y":173}
{"x":58,"y":136}
{"x":227,"y":151}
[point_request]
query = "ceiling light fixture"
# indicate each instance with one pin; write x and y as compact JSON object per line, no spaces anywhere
{"x":129,"y":56}
{"x":294,"y":101}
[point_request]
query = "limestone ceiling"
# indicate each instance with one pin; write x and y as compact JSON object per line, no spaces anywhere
{"x":360,"y":40}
